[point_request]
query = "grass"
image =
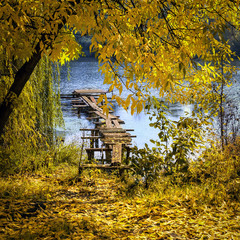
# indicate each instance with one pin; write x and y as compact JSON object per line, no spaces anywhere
{"x":100,"y":206}
{"x":53,"y":202}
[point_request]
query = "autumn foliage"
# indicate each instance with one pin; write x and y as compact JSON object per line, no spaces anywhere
{"x":178,"y":51}
{"x":142,"y":45}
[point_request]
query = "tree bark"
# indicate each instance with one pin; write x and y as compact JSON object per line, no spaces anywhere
{"x":20,"y":79}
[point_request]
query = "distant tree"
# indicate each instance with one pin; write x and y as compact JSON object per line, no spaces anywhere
{"x":142,"y":45}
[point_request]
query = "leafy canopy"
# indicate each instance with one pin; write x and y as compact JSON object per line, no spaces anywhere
{"x":141,"y":45}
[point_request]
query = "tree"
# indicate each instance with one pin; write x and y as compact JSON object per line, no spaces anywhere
{"x":30,"y":30}
{"x":30,"y":130}
{"x":141,"y":44}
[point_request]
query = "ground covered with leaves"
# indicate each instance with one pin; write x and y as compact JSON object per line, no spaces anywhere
{"x":63,"y":206}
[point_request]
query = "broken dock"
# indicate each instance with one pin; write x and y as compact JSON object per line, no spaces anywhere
{"x":107,"y":137}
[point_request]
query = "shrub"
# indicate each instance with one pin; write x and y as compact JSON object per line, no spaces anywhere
{"x":219,"y":169}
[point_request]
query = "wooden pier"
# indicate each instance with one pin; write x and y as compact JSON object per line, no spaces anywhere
{"x":107,"y":137}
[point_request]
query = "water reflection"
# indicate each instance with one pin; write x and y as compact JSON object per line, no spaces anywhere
{"x":84,"y":74}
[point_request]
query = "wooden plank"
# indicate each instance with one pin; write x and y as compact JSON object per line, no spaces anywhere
{"x":89,"y":91}
{"x":110,"y":138}
{"x":116,"y":134}
{"x":93,"y":111}
{"x":98,"y":123}
{"x":93,"y":100}
{"x":116,"y":123}
{"x":89,"y":129}
{"x":123,"y":143}
{"x":120,"y":121}
{"x":107,"y":122}
{"x":90,"y":118}
{"x":116,"y":140}
{"x":99,"y":112}
{"x":108,"y":119}
{"x":113,"y":142}
{"x":99,"y":149}
{"x":112,"y":130}
{"x":115,"y":118}
{"x":90,"y":103}
{"x":91,"y":137}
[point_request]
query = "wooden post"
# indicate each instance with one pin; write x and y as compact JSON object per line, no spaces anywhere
{"x":117,"y":154}
{"x":108,"y":154}
{"x":96,"y":140}
{"x":128,"y":154}
{"x":91,"y":153}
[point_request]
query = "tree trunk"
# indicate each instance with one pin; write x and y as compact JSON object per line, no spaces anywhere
{"x":24,"y":73}
{"x":21,"y":78}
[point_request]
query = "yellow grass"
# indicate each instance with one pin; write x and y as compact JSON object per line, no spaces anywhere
{"x":99,"y":206}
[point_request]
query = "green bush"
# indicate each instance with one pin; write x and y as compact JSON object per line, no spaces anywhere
{"x":147,"y":164}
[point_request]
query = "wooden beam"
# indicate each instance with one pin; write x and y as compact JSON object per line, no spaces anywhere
{"x":99,"y":123}
{"x":108,"y":122}
{"x":112,"y":130}
{"x":100,"y":113}
{"x":116,"y":134}
{"x":94,"y":111}
{"x":116,"y":123}
{"x":90,"y":118}
{"x":119,"y":121}
{"x":116,"y":140}
{"x":89,"y":129}
{"x":93,"y":100}
{"x":90,"y":103}
{"x":98,"y":149}
{"x":89,"y":91}
{"x":91,"y":137}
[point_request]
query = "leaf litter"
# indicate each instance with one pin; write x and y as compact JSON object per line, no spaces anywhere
{"x":96,"y":208}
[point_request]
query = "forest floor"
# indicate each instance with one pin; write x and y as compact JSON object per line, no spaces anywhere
{"x":98,"y":207}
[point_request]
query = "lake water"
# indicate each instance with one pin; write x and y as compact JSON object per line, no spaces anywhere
{"x":84,"y":74}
